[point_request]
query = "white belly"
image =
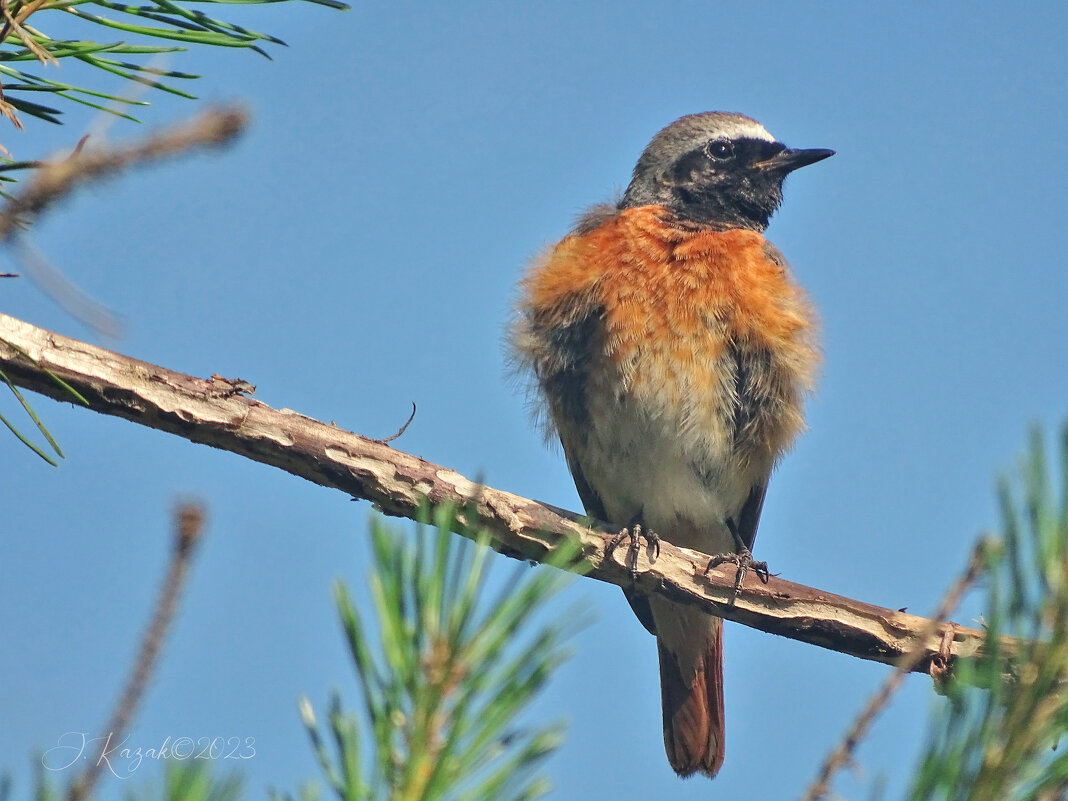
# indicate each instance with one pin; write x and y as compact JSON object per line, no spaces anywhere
{"x":683,"y":487}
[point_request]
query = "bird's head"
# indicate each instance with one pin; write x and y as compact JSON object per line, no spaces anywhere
{"x":718,"y":169}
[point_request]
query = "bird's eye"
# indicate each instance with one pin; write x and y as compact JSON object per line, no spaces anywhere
{"x":720,"y":149}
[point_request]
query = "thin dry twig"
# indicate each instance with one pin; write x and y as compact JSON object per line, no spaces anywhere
{"x":56,"y":179}
{"x":60,"y":176}
{"x":937,"y":666}
{"x":403,"y":428}
{"x":72,"y":299}
{"x":400,"y":484}
{"x":14,"y":22}
{"x":188,"y":525}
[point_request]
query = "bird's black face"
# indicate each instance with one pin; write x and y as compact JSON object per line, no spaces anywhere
{"x":720,"y":181}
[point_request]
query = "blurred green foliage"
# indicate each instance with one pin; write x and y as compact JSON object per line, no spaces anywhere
{"x":996,"y":737}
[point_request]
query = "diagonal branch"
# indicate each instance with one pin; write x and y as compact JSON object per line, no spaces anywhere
{"x":216,"y":412}
{"x":211,"y":128}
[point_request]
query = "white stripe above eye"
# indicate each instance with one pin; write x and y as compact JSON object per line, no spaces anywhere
{"x":741,"y":128}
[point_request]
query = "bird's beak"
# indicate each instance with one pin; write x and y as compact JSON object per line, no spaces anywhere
{"x":789,"y":160}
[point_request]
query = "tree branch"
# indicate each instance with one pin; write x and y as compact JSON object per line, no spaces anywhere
{"x":210,"y":128}
{"x":216,"y":412}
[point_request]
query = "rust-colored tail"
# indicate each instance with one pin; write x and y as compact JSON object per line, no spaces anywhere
{"x":691,"y":687}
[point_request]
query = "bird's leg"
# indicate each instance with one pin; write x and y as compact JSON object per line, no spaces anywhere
{"x":634,"y":532}
{"x":742,"y":557}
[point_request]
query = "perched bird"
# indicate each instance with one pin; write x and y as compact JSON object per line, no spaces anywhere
{"x":673,"y":350}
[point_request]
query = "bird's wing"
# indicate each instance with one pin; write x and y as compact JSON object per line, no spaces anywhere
{"x":591,"y":501}
{"x":749,"y":517}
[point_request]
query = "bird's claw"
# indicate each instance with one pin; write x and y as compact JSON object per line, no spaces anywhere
{"x":745,"y":562}
{"x":635,"y":533}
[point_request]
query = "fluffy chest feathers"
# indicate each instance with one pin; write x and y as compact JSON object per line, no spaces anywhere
{"x":673,"y":361}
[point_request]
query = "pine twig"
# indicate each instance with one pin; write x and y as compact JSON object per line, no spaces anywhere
{"x":57,"y":179}
{"x":189,"y":523}
{"x":843,"y":753}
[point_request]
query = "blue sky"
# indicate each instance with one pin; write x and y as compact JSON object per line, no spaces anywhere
{"x":358,"y":250}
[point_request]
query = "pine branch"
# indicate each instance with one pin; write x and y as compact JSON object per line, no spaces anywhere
{"x":444,"y":670}
{"x":217,"y":412}
{"x":160,"y":22}
{"x":213,"y":127}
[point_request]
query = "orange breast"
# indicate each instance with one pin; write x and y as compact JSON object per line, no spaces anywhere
{"x":673,"y":298}
{"x":699,"y":329}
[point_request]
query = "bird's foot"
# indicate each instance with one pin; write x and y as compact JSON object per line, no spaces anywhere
{"x":745,"y":562}
{"x":634,"y":533}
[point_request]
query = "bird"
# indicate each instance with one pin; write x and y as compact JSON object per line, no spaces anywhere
{"x":670,"y":349}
